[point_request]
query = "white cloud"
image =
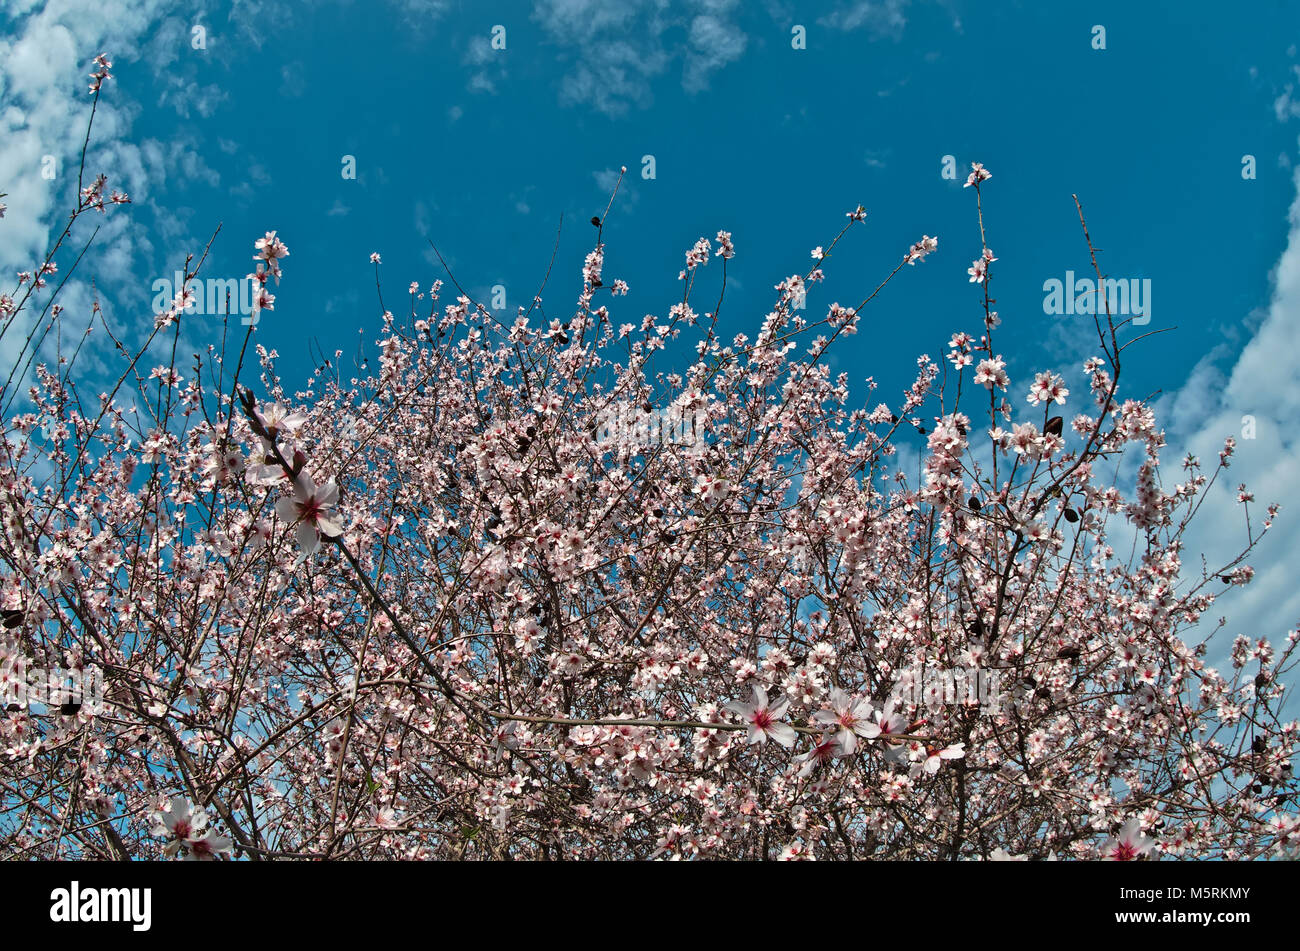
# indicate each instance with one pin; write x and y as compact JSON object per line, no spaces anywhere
{"x":607,"y":181}
{"x":1263,"y":383}
{"x":1285,"y":106}
{"x":423,"y":10}
{"x":714,"y":43}
{"x":44,"y":61}
{"x":883,"y":17}
{"x":489,"y":63}
{"x":617,"y":47}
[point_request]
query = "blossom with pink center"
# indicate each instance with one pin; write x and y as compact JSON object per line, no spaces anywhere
{"x":849,"y":715}
{"x":279,"y":420}
{"x":884,"y":723}
{"x":1025,"y":439}
{"x":979,"y":268}
{"x":1129,"y":845}
{"x":992,"y":373}
{"x":795,"y":851}
{"x":978,"y":174}
{"x":920,"y":249}
{"x":207,"y":847}
{"x":827,"y":748}
{"x":185,"y":829}
{"x":762,"y":716}
{"x":270,"y":248}
{"x":936,"y":757}
{"x":712,"y":488}
{"x":312,"y":509}
{"x":1048,"y":388}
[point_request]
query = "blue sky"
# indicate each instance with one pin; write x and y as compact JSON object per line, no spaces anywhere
{"x":483,"y":150}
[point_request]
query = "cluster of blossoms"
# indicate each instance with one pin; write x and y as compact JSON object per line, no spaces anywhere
{"x":979,"y":269}
{"x":186,"y":832}
{"x":918,"y":251}
{"x":472,"y":622}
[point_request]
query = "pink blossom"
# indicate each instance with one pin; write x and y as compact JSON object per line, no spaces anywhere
{"x":1129,"y":845}
{"x":761,"y":718}
{"x":312,"y":511}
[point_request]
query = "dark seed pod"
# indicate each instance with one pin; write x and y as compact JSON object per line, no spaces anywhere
{"x":1055,"y":426}
{"x":1071,"y":515}
{"x":595,"y":220}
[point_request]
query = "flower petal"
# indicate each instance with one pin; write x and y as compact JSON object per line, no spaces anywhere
{"x":783,"y":733}
{"x":328,"y":494}
{"x":308,"y":540}
{"x":287,"y":509}
{"x":329,"y":525}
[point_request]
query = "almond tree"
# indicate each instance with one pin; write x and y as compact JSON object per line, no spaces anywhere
{"x":465,"y":605}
